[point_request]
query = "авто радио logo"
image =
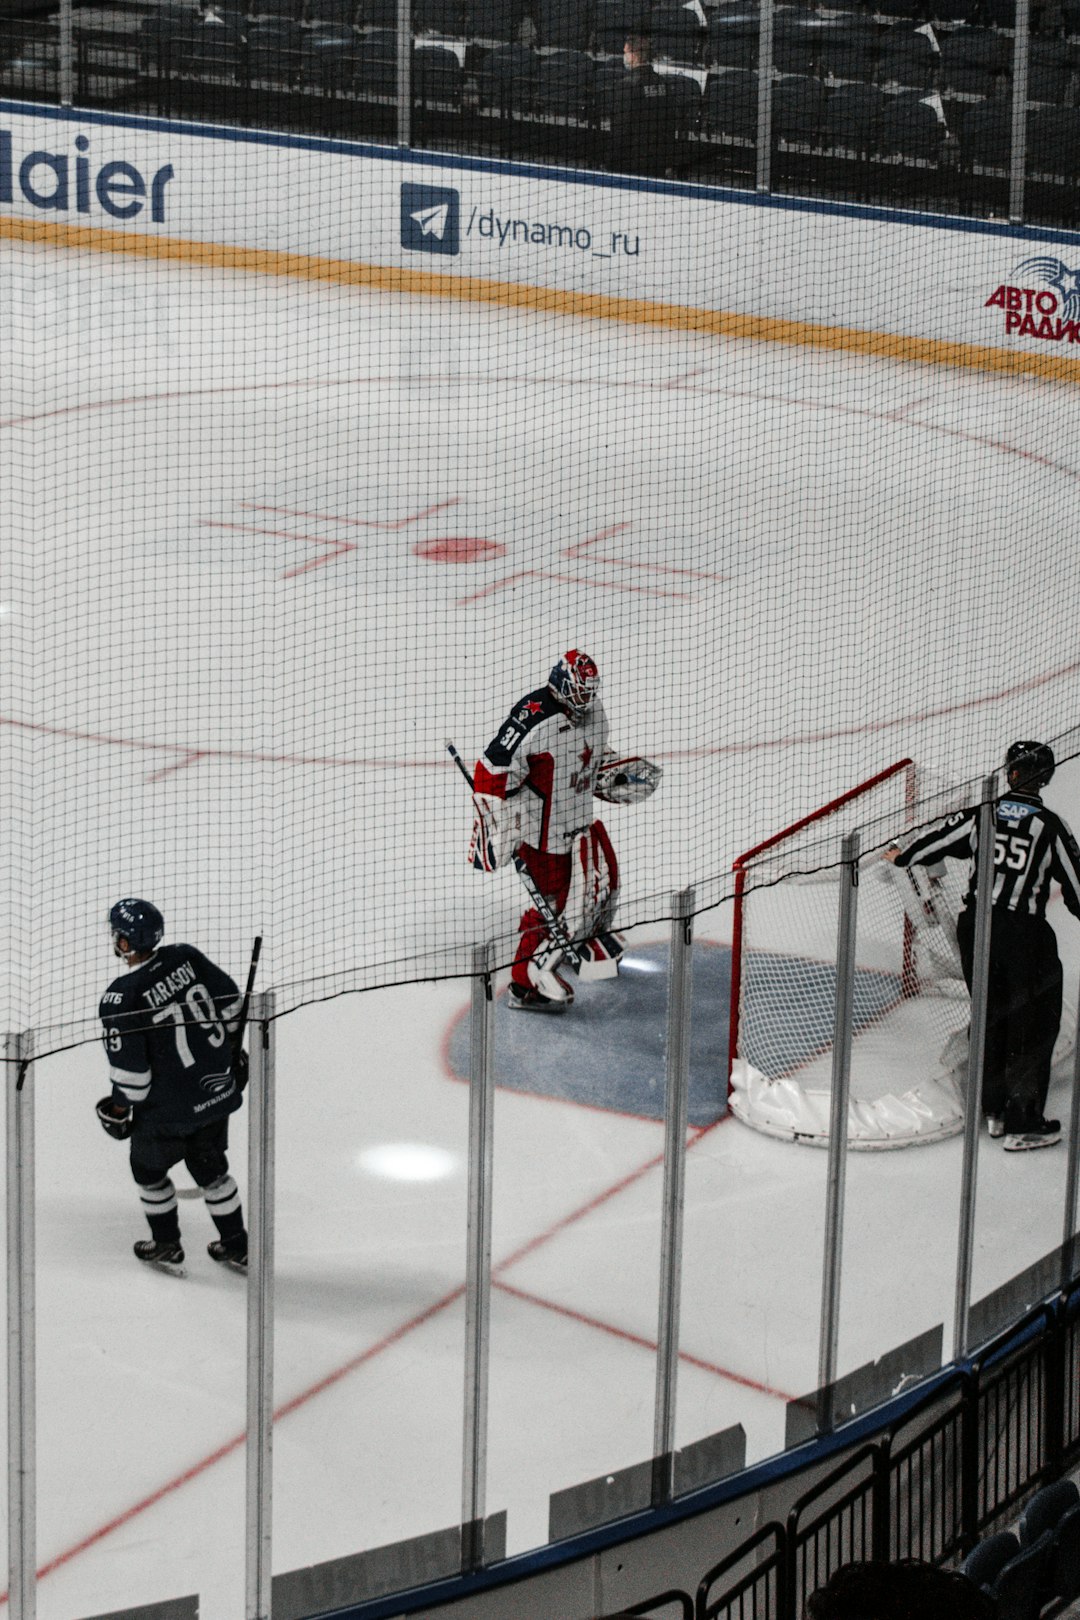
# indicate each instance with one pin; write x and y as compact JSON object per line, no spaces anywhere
{"x":430,"y":219}
{"x":1050,"y":309}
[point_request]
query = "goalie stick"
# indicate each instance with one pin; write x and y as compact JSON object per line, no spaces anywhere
{"x":552,"y":922}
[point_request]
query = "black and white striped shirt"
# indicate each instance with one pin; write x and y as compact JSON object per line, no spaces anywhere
{"x":1033,"y":848}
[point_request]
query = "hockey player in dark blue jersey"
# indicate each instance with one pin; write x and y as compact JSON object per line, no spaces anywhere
{"x":169,"y":1028}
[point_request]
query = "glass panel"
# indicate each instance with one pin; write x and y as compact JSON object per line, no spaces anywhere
{"x":141,"y":1377}
{"x":577,"y":1217}
{"x":370,"y":1267}
{"x":752,"y":1259}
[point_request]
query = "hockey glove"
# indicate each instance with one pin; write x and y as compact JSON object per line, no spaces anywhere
{"x":627,"y":781}
{"x":115,"y":1118}
{"x":484,"y":845}
{"x":240,"y":1068}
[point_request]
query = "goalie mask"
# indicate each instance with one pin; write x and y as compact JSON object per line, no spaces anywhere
{"x":1031,"y":764}
{"x":627,"y":781}
{"x":575,"y":681}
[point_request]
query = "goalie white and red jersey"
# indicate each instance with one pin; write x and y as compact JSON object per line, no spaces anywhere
{"x":533,"y":789}
{"x":544,"y":765}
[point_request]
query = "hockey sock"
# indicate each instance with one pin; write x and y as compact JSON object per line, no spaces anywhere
{"x":223,"y":1201}
{"x":159,"y":1207}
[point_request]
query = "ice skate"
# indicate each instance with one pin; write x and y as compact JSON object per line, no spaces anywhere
{"x":167,"y":1257}
{"x":233,"y":1254}
{"x":521,"y":999}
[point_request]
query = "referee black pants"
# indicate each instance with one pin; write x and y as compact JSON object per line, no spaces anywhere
{"x":1023,"y":1013}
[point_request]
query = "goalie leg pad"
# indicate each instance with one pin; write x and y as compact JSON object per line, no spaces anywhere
{"x":551,"y":875}
{"x":592,"y":901}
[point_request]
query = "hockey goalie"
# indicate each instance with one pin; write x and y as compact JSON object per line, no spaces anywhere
{"x":533,"y":789}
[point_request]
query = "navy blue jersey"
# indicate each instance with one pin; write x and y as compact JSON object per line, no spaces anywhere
{"x":166,"y":1028}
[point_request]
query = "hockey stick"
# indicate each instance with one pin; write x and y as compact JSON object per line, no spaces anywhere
{"x":237,"y":1041}
{"x":552,"y":921}
{"x":241,"y":1027}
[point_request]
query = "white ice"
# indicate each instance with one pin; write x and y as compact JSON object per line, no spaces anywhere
{"x":793,"y":568}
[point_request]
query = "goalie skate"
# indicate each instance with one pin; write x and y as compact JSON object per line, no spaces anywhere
{"x":521,"y":999}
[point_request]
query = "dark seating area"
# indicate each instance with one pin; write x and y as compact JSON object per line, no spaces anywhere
{"x":905,"y":101}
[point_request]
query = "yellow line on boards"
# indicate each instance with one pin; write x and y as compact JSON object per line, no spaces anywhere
{"x":547,"y":300}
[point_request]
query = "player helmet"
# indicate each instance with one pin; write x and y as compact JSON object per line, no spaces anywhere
{"x":1029,"y":764}
{"x":137,"y":921}
{"x":575,"y":681}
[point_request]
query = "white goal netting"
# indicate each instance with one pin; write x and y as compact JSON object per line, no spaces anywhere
{"x":911,"y":1005}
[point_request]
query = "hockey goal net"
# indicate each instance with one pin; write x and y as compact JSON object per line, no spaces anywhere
{"x":911,"y":1008}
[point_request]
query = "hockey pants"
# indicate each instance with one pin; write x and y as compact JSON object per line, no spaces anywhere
{"x":204,"y":1153}
{"x":1023,"y":1013}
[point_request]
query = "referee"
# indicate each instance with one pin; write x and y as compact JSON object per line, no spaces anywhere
{"x":1033,"y":848}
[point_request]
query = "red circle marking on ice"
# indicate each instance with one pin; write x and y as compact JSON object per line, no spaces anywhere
{"x":458,"y":548}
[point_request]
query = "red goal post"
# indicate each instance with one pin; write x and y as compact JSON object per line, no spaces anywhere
{"x":902,"y":768}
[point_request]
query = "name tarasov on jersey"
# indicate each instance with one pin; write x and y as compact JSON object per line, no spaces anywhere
{"x":166,"y":1027}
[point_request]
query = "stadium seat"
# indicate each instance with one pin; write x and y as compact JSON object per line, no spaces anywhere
{"x":274,"y":46}
{"x":953,"y":11}
{"x":617,"y":18}
{"x":506,"y":78}
{"x":733,"y":37}
{"x":853,"y":115}
{"x":565,"y":24}
{"x":376,"y":63}
{"x":973,"y":61}
{"x":331,"y":13}
{"x":985,"y":1561}
{"x":446,"y":17}
{"x":798,"y":110}
{"x":985,"y":132}
{"x":436,"y":75}
{"x":1063,"y":1581}
{"x":1050,"y":72}
{"x":328,"y":58}
{"x":209,"y":49}
{"x":998,"y":13}
{"x":564,"y":84}
{"x":852,"y":51}
{"x":797,"y":40}
{"x":914,"y":10}
{"x":911,"y":128}
{"x":1020,"y":1585}
{"x":1046,"y":1510}
{"x":494,"y":20}
{"x":909,"y":58}
{"x":688,"y":100}
{"x":730,"y":105}
{"x":264,"y":10}
{"x":677,"y":35}
{"x":1053,"y":141}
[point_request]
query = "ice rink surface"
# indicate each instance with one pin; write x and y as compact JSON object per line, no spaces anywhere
{"x":265,"y":546}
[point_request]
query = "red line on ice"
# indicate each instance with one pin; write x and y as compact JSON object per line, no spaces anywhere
{"x":638,"y":1339}
{"x":354,"y":523}
{"x":336,"y":547}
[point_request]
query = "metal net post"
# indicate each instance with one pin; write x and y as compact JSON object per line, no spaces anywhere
{"x":260,"y":1308}
{"x":680,"y":991}
{"x":980,"y":981}
{"x":843,"y":1021}
{"x":478,"y":1257}
{"x":22,"y":1460}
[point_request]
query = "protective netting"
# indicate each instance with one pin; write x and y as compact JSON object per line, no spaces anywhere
{"x":268,"y":542}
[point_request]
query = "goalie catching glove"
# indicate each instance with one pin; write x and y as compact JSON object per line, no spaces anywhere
{"x":115,"y":1118}
{"x":627,"y":781}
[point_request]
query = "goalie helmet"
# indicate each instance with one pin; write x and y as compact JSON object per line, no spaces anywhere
{"x":575,"y":681}
{"x":139,"y":922}
{"x":1029,"y":765}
